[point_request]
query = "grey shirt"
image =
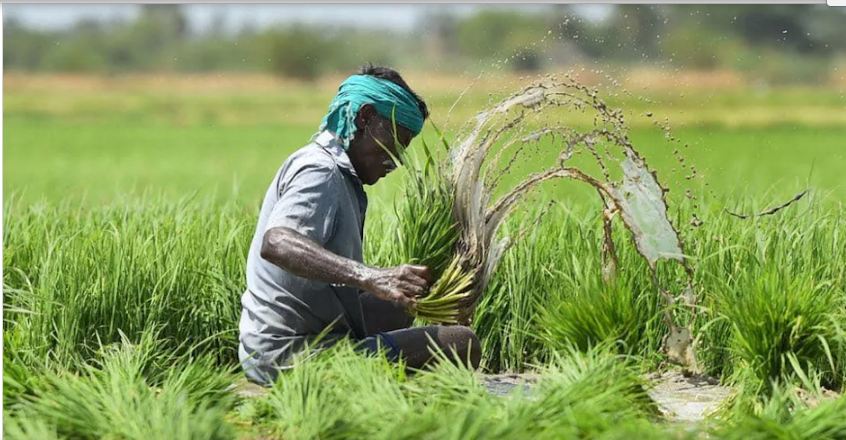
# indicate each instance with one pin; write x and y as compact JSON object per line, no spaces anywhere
{"x":316,"y":193}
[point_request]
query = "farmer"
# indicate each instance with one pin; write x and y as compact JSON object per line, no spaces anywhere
{"x":306,"y":282}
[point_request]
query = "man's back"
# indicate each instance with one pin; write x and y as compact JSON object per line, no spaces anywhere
{"x":317,"y":194}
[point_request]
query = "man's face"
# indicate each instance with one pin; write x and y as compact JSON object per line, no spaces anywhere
{"x":368,"y":152}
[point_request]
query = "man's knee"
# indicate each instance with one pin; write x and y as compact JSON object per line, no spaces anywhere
{"x":463,"y":341}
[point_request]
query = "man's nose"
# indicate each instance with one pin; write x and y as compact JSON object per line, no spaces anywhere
{"x":389,"y":165}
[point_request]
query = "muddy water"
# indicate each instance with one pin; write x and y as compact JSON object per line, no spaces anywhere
{"x":681,"y":399}
{"x":629,"y":190}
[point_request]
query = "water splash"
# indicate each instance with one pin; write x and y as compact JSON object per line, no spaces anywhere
{"x":540,"y":112}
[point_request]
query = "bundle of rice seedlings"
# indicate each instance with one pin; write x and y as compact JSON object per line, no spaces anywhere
{"x":427,"y":234}
{"x":783,"y":323}
{"x":617,"y":313}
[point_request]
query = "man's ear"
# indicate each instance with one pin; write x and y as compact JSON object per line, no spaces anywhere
{"x":365,"y":114}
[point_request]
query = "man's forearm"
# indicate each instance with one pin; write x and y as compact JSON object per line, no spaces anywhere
{"x":302,"y":256}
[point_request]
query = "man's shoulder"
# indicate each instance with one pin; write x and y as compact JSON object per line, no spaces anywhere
{"x":312,"y":154}
{"x":311,"y":158}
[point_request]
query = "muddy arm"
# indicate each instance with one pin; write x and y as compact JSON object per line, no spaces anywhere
{"x":302,"y":256}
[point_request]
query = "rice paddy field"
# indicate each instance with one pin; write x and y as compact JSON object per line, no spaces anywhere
{"x":129,"y":203}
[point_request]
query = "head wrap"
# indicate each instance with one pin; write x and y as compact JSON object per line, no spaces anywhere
{"x":389,"y":99}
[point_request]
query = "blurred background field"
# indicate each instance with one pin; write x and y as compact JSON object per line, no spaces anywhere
{"x":75,"y":137}
{"x":210,"y":99}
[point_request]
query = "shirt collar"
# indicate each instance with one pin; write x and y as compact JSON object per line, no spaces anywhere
{"x":329,"y":141}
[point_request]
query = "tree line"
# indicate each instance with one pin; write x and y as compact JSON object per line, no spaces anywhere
{"x":779,"y":42}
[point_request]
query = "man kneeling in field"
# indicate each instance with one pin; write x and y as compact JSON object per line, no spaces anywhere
{"x":305,"y":275}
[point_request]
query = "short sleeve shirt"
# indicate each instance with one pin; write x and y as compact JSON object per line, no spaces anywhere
{"x":316,"y":193}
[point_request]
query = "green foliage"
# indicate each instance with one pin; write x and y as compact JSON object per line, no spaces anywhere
{"x":774,"y":289}
{"x":782,"y":316}
{"x":507,"y":317}
{"x":499,"y":35}
{"x":130,"y":392}
{"x":302,"y":406}
{"x":426,"y":231}
{"x":590,"y":395}
{"x":298,"y":52}
{"x":78,"y":279}
{"x":596,"y":313}
{"x":157,"y":40}
{"x":789,"y":413}
{"x":700,"y":47}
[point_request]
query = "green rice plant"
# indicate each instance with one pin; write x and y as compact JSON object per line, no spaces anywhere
{"x":782,"y":316}
{"x":29,"y":428}
{"x":427,"y":234}
{"x":428,"y":231}
{"x":340,"y":393}
{"x":789,"y":412}
{"x":506,"y":320}
{"x":599,"y":312}
{"x":784,"y":260}
{"x":133,"y":391}
{"x":549,"y":294}
{"x":79,"y":278}
{"x":596,"y":376}
{"x":592,"y":394}
{"x":336,"y":393}
{"x":21,"y":372}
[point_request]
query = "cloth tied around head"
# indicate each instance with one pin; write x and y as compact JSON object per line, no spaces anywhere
{"x":390,"y":100}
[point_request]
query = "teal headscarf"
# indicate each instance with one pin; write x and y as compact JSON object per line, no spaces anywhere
{"x":389,"y":99}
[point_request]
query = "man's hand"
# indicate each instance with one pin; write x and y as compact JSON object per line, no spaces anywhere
{"x":401,"y":285}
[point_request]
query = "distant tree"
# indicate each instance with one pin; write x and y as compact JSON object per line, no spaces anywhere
{"x":439,"y":31}
{"x":297,"y":51}
{"x":503,"y":35}
{"x":698,"y":46}
{"x":24,"y":48}
{"x":782,"y":42}
{"x":799,"y":28}
{"x":637,"y":31}
{"x":573,"y":32}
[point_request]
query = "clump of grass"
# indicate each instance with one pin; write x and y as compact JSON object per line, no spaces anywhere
{"x":789,"y":412}
{"x":132,"y":391}
{"x":782,"y":323}
{"x":593,"y":378}
{"x":507,"y":317}
{"x":580,"y":394}
{"x":427,"y":234}
{"x":335,"y":394}
{"x":78,"y":278}
{"x":599,"y":312}
{"x":29,"y":428}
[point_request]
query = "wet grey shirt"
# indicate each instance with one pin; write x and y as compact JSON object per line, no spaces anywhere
{"x":316,"y":193}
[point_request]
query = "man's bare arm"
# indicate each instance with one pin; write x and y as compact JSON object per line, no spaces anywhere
{"x":302,"y":256}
